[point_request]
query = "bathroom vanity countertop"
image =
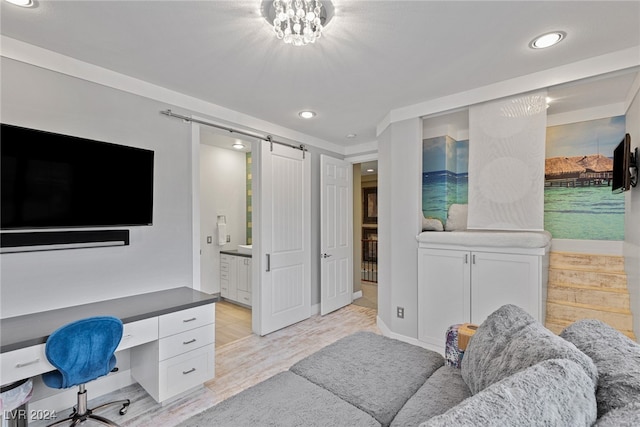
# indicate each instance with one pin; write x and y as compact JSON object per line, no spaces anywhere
{"x":235,"y":252}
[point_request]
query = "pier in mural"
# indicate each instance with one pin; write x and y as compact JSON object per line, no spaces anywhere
{"x":578,"y":202}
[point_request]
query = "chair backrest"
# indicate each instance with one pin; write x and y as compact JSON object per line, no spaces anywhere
{"x":82,"y":350}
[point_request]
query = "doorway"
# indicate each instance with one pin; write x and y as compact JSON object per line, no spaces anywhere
{"x":226,"y":230}
{"x":365,"y":226}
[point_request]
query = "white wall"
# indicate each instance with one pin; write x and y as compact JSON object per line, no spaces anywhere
{"x":222,"y":192}
{"x":159,"y":256}
{"x":632,"y":220}
{"x":399,"y":222}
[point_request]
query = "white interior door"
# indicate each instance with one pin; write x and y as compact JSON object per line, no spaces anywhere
{"x":284,"y":230}
{"x":336,"y":251}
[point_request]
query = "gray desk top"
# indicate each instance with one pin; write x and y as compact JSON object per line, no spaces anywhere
{"x":34,"y":329}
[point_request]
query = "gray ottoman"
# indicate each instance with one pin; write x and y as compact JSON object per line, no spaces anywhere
{"x":374,"y":373}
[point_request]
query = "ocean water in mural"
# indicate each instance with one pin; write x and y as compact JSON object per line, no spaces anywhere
{"x":590,"y":213}
{"x":578,"y":202}
{"x":445,"y":167}
{"x":440,"y":189}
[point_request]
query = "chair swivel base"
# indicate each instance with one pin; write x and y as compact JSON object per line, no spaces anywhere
{"x":81,"y":413}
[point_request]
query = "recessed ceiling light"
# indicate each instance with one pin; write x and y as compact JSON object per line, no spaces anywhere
{"x":307,"y":114}
{"x":238,"y":145}
{"x":370,"y":170}
{"x":351,"y":135}
{"x":21,"y":3}
{"x":547,"y":40}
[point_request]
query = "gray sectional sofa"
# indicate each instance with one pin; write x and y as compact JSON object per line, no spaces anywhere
{"x":514,"y":372}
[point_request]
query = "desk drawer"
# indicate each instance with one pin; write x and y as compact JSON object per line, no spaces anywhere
{"x":23,"y":363}
{"x":180,"y":321}
{"x":186,"y":341}
{"x":140,"y":332}
{"x":186,"y":371}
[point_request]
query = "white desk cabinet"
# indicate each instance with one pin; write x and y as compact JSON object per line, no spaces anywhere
{"x":458,"y":284}
{"x":182,"y":358}
{"x":235,"y":278}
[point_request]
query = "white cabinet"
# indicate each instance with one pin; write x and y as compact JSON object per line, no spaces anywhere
{"x":235,"y":278}
{"x":458,"y":285}
{"x":229,"y":276}
{"x":182,"y":358}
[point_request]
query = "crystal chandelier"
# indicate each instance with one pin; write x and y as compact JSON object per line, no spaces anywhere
{"x":298,"y":22}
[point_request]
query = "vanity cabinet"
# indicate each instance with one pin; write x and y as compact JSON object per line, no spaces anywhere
{"x":235,"y":278}
{"x":457,"y":285}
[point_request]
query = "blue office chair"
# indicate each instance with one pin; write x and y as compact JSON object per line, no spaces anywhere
{"x":83,"y":351}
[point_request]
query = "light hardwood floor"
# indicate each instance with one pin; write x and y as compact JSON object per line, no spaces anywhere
{"x":240,"y":365}
{"x":233,"y":322}
{"x":369,"y":295}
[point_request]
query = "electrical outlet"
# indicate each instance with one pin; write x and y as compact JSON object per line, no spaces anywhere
{"x":228,"y":238}
{"x":400,"y":312}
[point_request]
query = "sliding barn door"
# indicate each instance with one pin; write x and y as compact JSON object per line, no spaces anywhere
{"x":284,"y":236}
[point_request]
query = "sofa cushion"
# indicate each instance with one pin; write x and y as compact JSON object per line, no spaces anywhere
{"x":555,"y":392}
{"x":627,"y":416}
{"x":616,"y":357}
{"x":374,"y":373}
{"x":285,"y":399}
{"x":511,"y":340}
{"x":442,"y":391}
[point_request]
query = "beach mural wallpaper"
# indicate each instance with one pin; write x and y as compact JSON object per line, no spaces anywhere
{"x":445,"y":172}
{"x":578,"y":202}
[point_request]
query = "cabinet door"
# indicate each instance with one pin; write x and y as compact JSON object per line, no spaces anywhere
{"x":233,"y":278}
{"x":244,"y":274}
{"x":498,"y":279}
{"x":443,"y":293}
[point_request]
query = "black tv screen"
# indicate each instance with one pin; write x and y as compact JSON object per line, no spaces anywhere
{"x":621,"y":180}
{"x":58,"y":181}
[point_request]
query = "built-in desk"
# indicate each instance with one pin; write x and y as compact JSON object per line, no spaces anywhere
{"x":167,"y":331}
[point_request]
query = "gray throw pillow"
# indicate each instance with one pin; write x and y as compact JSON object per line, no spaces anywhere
{"x":617,"y":359}
{"x":555,"y":392}
{"x":511,"y":340}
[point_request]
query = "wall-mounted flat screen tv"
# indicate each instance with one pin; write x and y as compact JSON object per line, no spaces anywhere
{"x":51,"y":180}
{"x":621,"y":180}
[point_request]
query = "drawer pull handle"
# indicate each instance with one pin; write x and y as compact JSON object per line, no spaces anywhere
{"x":22,"y":365}
{"x":189,"y":342}
{"x":189,"y":320}
{"x":189,"y":371}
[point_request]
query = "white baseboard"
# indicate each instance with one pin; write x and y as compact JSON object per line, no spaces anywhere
{"x":315,"y":309}
{"x":410,"y":340}
{"x":357,"y":295}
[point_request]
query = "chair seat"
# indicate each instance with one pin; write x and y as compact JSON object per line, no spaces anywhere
{"x":54,"y":379}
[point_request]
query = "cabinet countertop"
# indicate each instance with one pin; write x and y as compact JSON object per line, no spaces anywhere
{"x":34,"y":329}
{"x":235,"y":252}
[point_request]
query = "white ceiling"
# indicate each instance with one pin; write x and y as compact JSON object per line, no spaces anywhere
{"x":375,"y":56}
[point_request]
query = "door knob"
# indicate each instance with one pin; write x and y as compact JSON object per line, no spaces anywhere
{"x":325,"y":255}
